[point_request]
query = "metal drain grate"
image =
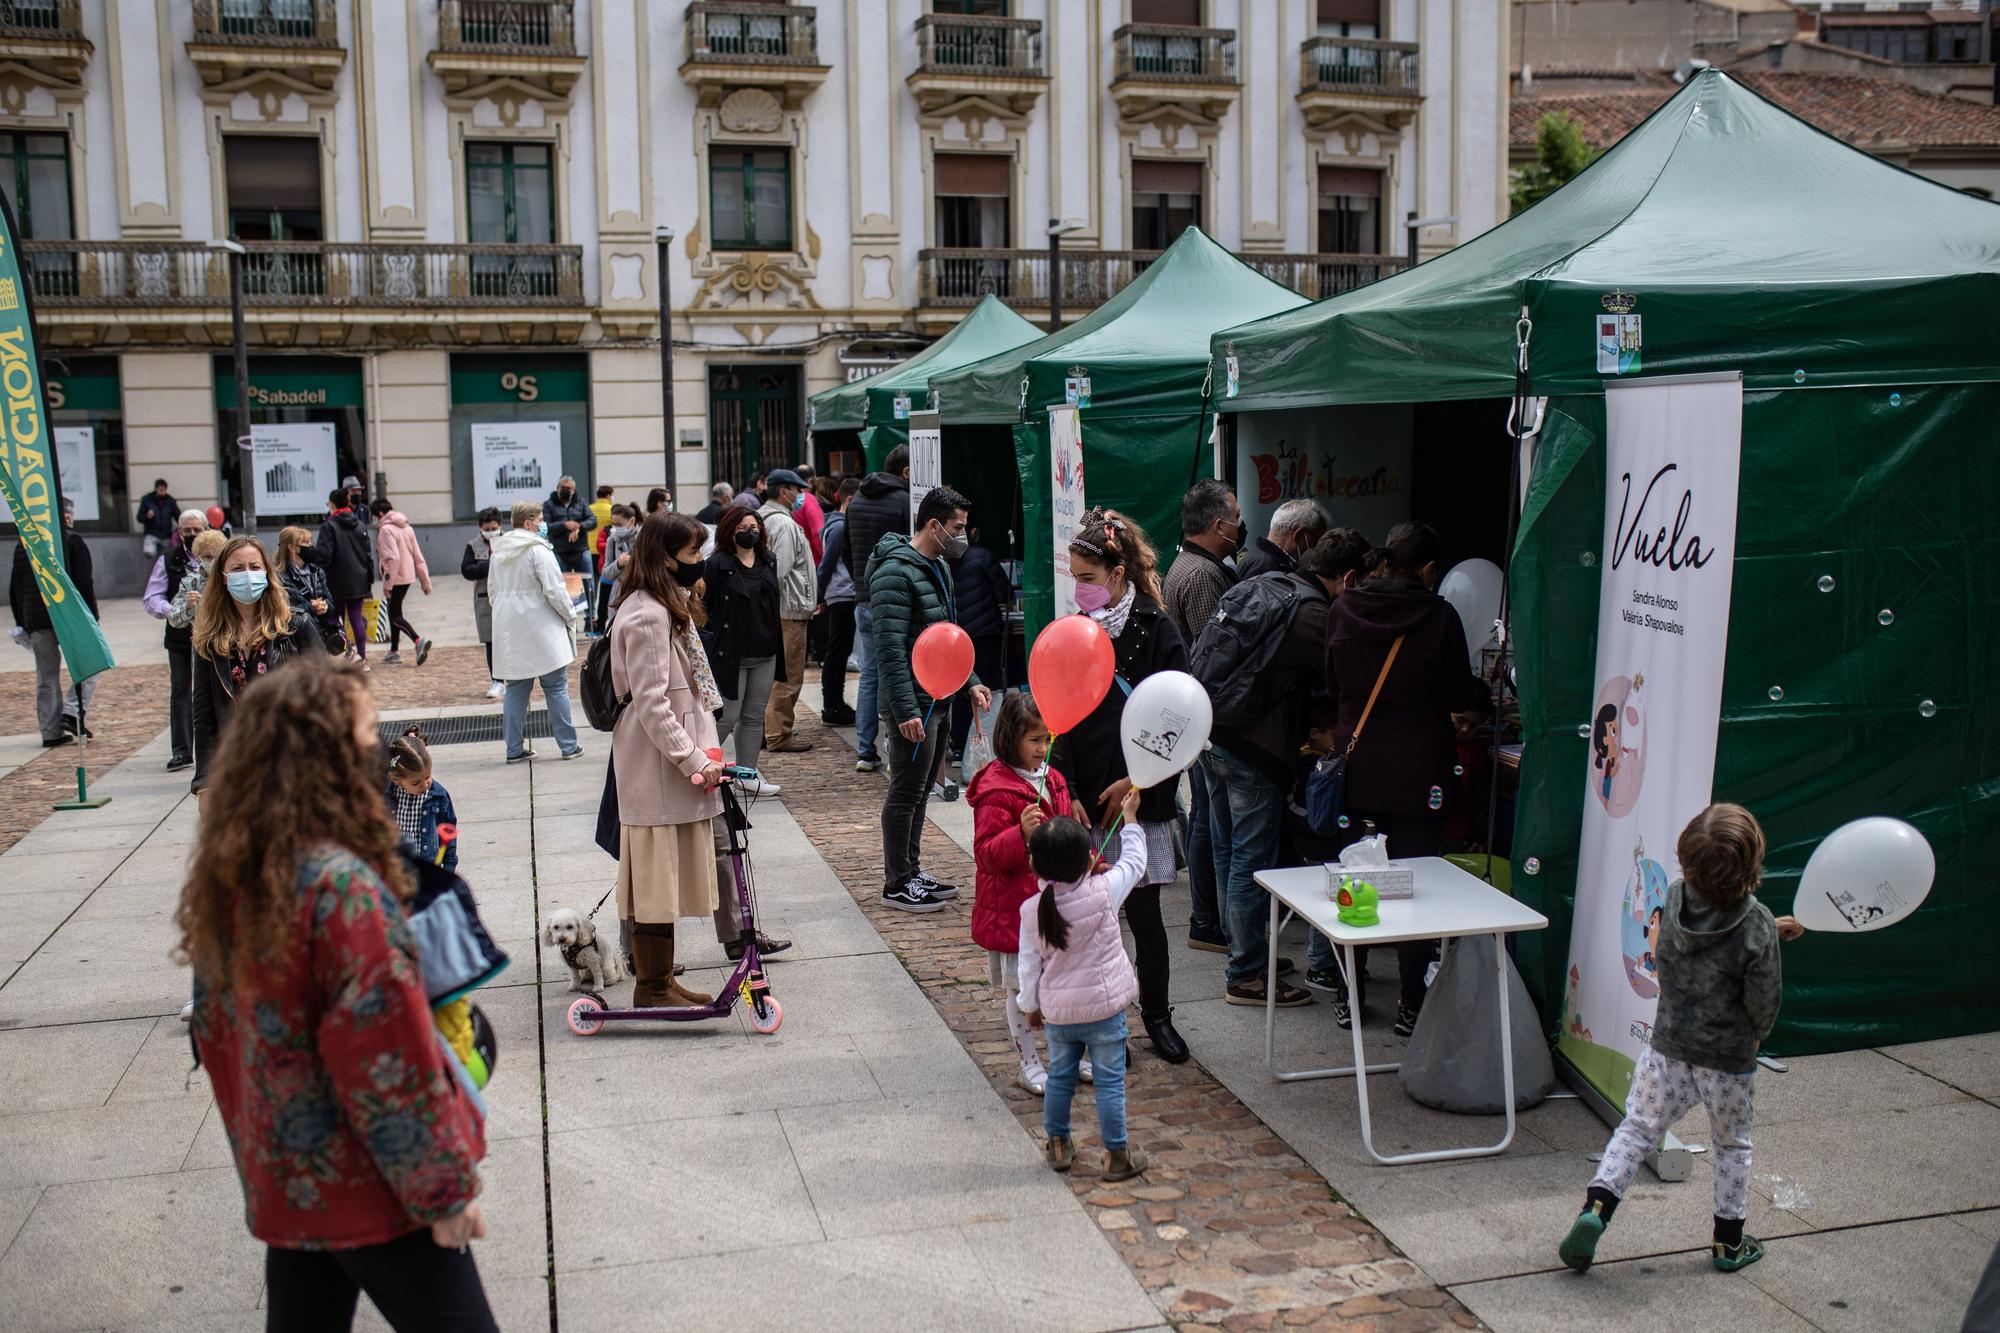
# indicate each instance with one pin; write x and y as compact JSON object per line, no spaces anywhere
{"x":484,"y":727}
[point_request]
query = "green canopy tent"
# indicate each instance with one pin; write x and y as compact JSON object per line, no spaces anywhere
{"x":877,"y":409}
{"x":1861,"y":305}
{"x":1143,"y":356}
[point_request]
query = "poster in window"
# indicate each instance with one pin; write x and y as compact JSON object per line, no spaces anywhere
{"x":514,"y":461}
{"x":293,"y":464}
{"x":76,"y":465}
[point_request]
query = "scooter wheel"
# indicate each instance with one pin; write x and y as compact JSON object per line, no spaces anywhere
{"x":584,"y":1015}
{"x":766,"y":1014}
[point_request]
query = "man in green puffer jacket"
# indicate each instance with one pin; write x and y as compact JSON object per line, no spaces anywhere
{"x":909,"y":590}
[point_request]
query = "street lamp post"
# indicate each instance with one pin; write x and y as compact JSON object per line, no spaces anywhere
{"x":663,"y":237}
{"x":1057,"y":230}
{"x":1415,"y":224}
{"x":246,"y":501}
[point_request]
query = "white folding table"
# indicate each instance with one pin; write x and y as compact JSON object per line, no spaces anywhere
{"x":1448,"y":903}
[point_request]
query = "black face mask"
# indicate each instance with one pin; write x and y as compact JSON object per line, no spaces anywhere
{"x":746,"y":538}
{"x":565,"y":494}
{"x":687,"y":575}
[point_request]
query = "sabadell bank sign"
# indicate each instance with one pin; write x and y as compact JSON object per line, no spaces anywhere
{"x":262,"y":397}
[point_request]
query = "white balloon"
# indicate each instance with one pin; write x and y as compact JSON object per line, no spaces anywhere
{"x":1864,"y":876}
{"x":1473,"y":589}
{"x":1164,"y":726}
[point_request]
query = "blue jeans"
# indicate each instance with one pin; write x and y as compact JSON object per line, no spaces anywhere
{"x":1105,"y":1040}
{"x":1204,"y":916}
{"x":1244,"y":810}
{"x":865,"y":721}
{"x":514,"y":711}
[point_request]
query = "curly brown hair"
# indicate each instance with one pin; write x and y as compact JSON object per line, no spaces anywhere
{"x":1109,"y":540}
{"x":288,"y":756}
{"x":1721,"y":853}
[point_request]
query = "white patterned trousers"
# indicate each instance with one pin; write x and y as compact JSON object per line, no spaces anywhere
{"x":1663,"y":1090}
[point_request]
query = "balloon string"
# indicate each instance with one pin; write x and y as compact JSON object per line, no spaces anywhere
{"x":927,"y":716}
{"x":1042,"y":779}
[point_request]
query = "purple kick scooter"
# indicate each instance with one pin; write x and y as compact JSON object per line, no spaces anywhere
{"x":588,"y":1013}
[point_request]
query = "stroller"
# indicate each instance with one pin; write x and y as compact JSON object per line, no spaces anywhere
{"x":588,"y":1013}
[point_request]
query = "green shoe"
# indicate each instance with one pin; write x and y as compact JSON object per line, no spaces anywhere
{"x":1061,"y":1153}
{"x":1579,"y":1247}
{"x":1728,"y":1259}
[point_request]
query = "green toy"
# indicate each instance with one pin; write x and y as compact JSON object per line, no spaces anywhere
{"x":1358,"y":902}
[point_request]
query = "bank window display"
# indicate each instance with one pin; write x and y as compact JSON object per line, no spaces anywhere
{"x":518,"y":424}
{"x":307,"y":430}
{"x":510,"y":199}
{"x":750,"y":198}
{"x":1166,"y":201}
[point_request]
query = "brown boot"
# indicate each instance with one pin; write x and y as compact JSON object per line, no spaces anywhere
{"x":681,"y":994}
{"x":652,"y":966}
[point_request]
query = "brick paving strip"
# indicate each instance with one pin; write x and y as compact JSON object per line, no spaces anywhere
{"x":1228,"y":1226}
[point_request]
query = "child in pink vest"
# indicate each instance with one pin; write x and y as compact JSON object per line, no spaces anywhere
{"x":1076,"y":978}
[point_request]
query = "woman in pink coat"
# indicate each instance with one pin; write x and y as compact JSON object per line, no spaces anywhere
{"x":661,"y":753}
{"x":402,"y":562}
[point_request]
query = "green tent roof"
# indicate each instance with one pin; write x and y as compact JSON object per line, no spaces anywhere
{"x":1144,"y":349}
{"x":1746,"y":238}
{"x":987,"y":328}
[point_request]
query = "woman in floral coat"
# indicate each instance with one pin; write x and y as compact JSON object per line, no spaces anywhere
{"x":357,"y":1146}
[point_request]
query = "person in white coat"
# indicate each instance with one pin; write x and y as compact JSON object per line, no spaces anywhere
{"x":534,"y":630}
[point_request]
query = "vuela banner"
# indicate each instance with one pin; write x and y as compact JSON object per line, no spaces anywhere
{"x":28,"y":467}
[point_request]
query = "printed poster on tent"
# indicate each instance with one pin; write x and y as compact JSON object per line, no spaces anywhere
{"x":1066,"y":504}
{"x":294,"y":464}
{"x":1673,"y":449}
{"x":513,"y":461}
{"x":926,"y":461}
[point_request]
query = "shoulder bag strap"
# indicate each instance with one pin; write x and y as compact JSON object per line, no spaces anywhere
{"x":1369,"y":707}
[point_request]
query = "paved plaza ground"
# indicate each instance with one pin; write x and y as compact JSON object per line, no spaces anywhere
{"x":872,"y":1165}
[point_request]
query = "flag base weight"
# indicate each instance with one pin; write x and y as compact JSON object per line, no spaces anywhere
{"x":84,"y":800}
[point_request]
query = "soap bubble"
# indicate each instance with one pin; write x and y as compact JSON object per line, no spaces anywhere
{"x":1345,"y":821}
{"x":1776,"y":692}
{"x":1583,"y":730}
{"x":1458,"y":770}
{"x":1895,"y":400}
{"x":1798,"y":377}
{"x":1826,"y":583}
{"x":1587,"y":559}
{"x":1928,"y":708}
{"x":1885,"y":617}
{"x":1437,"y":798}
{"x":1533,"y":866}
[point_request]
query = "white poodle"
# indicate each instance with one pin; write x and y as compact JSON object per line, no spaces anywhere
{"x":591,"y":967}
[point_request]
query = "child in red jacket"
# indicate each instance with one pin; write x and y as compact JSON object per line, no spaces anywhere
{"x":1010,"y":797}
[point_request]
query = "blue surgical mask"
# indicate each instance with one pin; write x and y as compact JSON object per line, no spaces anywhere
{"x":542,"y":529}
{"x":798,"y":503}
{"x":247,"y":585}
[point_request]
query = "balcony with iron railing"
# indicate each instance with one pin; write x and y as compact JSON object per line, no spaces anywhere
{"x":733,"y":44}
{"x":956,"y":279}
{"x":163,"y":276}
{"x":46,"y":35}
{"x":485,"y":39}
{"x":978,"y":55}
{"x":1154,"y":64}
{"x":1343,"y":74}
{"x":237,"y":37}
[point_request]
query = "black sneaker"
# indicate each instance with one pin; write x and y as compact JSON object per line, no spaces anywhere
{"x":1326,"y":979}
{"x":911,"y":897}
{"x":178,"y":762}
{"x":1406,"y":1020}
{"x":936,"y":887}
{"x":1343,"y":1017}
{"x":766,"y":947}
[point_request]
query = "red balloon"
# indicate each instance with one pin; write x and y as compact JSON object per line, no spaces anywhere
{"x":1070,"y":670}
{"x":941,"y":659}
{"x":215,"y":517}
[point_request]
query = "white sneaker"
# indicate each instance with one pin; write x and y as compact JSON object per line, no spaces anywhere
{"x":187,"y":1012}
{"x":496,"y":690}
{"x":1085,"y":1072}
{"x":760,"y":787}
{"x":1034,"y":1078}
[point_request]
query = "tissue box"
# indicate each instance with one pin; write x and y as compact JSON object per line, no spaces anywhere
{"x":1390,"y":881}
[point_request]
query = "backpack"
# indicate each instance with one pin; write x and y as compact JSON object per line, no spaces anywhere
{"x":1234,"y":654}
{"x":601,"y":704}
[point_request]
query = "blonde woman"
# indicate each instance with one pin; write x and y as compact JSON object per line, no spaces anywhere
{"x":244,"y":626}
{"x":534,"y":631}
{"x":305,"y":584}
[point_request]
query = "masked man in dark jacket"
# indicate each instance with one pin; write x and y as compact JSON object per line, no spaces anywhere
{"x":343,"y":550}
{"x":909,"y":590}
{"x":882,"y":506}
{"x":570,"y":521}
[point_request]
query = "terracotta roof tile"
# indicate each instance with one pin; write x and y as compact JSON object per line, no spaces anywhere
{"x":1864,"y":112}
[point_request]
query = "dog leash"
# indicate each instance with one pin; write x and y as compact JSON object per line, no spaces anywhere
{"x":601,"y":901}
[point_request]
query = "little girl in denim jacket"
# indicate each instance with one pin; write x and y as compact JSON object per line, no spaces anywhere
{"x":1076,"y":978}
